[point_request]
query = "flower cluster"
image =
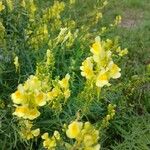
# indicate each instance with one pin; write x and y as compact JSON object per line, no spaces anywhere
{"x":38,"y":37}
{"x":42,"y":29}
{"x":50,"y":143}
{"x":28,"y":97}
{"x":100,"y":67}
{"x":26,"y":130}
{"x":54,"y":11}
{"x":85,"y":134}
{"x":66,"y":36}
{"x":61,"y":89}
{"x":53,"y":14}
{"x":30,"y":7}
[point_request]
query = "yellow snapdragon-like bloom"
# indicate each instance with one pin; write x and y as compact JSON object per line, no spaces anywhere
{"x":18,"y":97}
{"x":64,"y":83}
{"x":122,"y":52}
{"x":114,"y":71}
{"x":27,"y":132}
{"x":32,"y":84}
{"x":40,"y":99}
{"x":74,"y":129}
{"x":87,"y":68}
{"x":2,"y":7}
{"x":67,"y":93}
{"x":28,"y":97}
{"x":97,"y":50}
{"x":85,"y":134}
{"x":100,"y":66}
{"x":50,"y":142}
{"x":59,"y":91}
{"x":55,"y":92}
{"x":26,"y":112}
{"x":90,"y":135}
{"x":102,"y":79}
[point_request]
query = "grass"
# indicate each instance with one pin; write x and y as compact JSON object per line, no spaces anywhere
{"x":130,"y":128}
{"x":134,"y":33}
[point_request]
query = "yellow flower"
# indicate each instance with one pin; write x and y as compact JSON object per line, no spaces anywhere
{"x":32,"y":114}
{"x":2,"y":7}
{"x":56,"y":135}
{"x":102,"y":79}
{"x":33,"y":83}
{"x":17,"y":97}
{"x":123,"y":52}
{"x":45,"y":136}
{"x":96,"y":47}
{"x":26,"y":131}
{"x":114,"y":71}
{"x":64,"y":83}
{"x":90,"y":135}
{"x":67,"y":94}
{"x":74,"y":129}
{"x":88,"y":140}
{"x":87,"y":68}
{"x":26,"y":112}
{"x":40,"y":99}
{"x":96,"y":147}
{"x":97,"y":50}
{"x":35,"y":132}
{"x":103,"y":62}
{"x":50,"y":142}
{"x":21,"y":111}
{"x":55,"y":92}
{"x":118,"y":20}
{"x":50,"y":96}
{"x":29,"y":134}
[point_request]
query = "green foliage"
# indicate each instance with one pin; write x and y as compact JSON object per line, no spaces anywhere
{"x":129,"y":129}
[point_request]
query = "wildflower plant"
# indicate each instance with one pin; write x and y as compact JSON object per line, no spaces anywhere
{"x":100,"y":67}
{"x":47,"y":92}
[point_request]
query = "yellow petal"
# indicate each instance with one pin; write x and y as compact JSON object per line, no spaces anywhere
{"x":17,"y":97}
{"x":36,"y":132}
{"x":21,"y":111}
{"x":102,"y":79}
{"x":32,"y":114}
{"x":74,"y":129}
{"x":45,"y":136}
{"x":40,"y":99}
